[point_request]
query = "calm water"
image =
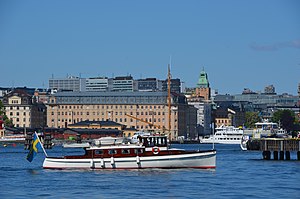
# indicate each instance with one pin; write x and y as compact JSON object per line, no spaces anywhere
{"x":239,"y":174}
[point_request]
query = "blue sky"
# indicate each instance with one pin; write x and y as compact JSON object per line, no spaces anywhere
{"x":240,"y":44}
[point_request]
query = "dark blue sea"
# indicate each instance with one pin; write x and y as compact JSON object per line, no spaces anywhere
{"x":239,"y":174}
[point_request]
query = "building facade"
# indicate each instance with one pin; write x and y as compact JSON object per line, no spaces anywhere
{"x":204,"y":115}
{"x":203,"y":89}
{"x":175,"y":85}
{"x":23,"y":110}
{"x":146,"y":111}
{"x":123,"y":84}
{"x":71,"y":83}
{"x":148,"y":84}
{"x":97,"y":84}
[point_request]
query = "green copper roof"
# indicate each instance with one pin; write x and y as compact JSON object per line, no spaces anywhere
{"x":203,"y":80}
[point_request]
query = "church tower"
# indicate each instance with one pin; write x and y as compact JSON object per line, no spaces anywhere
{"x":203,"y":89}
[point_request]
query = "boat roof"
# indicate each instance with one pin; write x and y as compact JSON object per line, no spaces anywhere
{"x":121,"y":146}
{"x":266,"y":123}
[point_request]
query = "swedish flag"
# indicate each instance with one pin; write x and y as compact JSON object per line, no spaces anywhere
{"x":34,"y":147}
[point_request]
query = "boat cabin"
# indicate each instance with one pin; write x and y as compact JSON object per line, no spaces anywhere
{"x":266,"y":125}
{"x":149,"y":145}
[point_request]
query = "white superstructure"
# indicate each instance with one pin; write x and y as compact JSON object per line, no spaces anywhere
{"x":224,"y":135}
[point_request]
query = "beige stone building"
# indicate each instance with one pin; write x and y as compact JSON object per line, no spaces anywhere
{"x":140,"y":110}
{"x":23,"y":111}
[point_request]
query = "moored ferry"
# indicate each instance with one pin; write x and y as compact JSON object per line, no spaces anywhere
{"x":149,"y":152}
{"x":224,"y":135}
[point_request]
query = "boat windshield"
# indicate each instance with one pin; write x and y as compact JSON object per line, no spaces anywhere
{"x":151,"y":141}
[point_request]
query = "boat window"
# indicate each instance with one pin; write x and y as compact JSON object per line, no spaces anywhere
{"x":98,"y":152}
{"x":125,"y":151}
{"x":112,"y":151}
{"x":138,"y":151}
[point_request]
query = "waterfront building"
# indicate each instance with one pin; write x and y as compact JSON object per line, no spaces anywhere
{"x":149,"y":84}
{"x":105,"y":128}
{"x":96,"y":125}
{"x":145,"y":111}
{"x":204,"y":114}
{"x":97,"y":84}
{"x":199,"y":97}
{"x":70,"y":83}
{"x":270,"y":89}
{"x":175,"y":85}
{"x":264,"y":103}
{"x":267,"y":99}
{"x":203,"y":89}
{"x":124,"y":84}
{"x":23,"y":110}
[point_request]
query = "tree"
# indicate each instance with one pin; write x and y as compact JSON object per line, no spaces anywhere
{"x":251,"y":118}
{"x":286,"y":118}
{"x":6,"y":120}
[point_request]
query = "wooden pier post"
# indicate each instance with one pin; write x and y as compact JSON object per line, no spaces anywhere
{"x":282,"y":148}
{"x":275,"y":155}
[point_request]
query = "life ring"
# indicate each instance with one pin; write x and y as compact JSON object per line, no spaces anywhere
{"x":155,"y":150}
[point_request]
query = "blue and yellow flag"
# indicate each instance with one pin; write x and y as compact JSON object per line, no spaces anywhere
{"x":34,"y":147}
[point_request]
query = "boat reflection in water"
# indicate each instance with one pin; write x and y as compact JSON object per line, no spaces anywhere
{"x":149,"y":152}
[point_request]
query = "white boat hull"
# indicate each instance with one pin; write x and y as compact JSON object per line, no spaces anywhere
{"x":211,"y":141}
{"x":201,"y":160}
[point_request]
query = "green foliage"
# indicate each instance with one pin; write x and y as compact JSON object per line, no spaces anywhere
{"x":251,"y":118}
{"x":286,"y":119}
{"x":2,"y":111}
{"x":7,"y":122}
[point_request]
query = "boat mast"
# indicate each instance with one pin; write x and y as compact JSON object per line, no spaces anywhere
{"x":169,"y":99}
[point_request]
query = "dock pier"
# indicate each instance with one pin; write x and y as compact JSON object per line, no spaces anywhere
{"x":280,"y":147}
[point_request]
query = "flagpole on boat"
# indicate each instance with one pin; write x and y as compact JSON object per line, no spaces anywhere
{"x":41,"y":144}
{"x":213,"y":132}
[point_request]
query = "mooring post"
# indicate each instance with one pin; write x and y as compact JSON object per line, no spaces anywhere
{"x":298,"y":153}
{"x":275,"y":155}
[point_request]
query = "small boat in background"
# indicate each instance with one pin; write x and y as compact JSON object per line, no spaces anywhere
{"x":13,"y":138}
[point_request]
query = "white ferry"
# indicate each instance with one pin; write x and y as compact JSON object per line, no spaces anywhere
{"x":224,"y":135}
